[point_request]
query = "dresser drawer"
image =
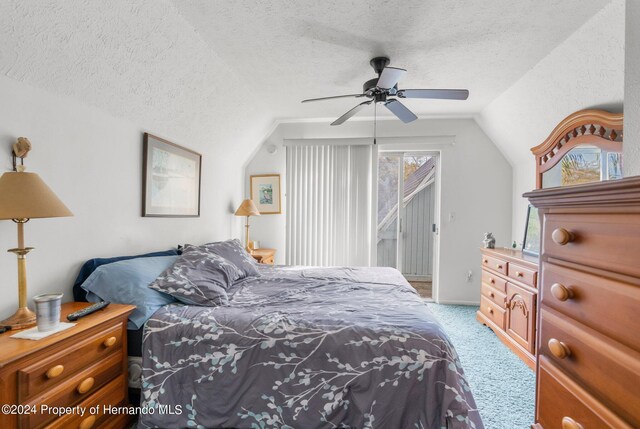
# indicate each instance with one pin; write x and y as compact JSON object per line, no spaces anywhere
{"x":607,"y":241}
{"x":112,"y":394}
{"x":54,"y":370}
{"x":492,"y":311}
{"x":493,"y":280}
{"x":493,"y":294}
{"x":523,"y":274}
{"x":605,"y":305}
{"x":560,"y":398}
{"x":495,"y":264}
{"x":597,"y":362}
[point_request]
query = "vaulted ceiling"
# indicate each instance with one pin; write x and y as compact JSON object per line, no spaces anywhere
{"x":202,"y":63}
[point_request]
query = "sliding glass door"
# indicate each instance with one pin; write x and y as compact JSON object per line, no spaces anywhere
{"x":406,"y":213}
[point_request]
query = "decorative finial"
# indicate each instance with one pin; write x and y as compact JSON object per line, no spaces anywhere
{"x":21,"y":149}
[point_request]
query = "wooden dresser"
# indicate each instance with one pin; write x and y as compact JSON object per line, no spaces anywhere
{"x":508,"y":299}
{"x":84,"y":366}
{"x":588,"y":372}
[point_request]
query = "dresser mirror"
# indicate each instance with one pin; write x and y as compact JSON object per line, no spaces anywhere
{"x":586,"y":147}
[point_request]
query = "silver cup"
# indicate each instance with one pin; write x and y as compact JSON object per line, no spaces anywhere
{"x":48,"y":311}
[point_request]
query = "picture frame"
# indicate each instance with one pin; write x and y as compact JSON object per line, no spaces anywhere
{"x":265,"y":193}
{"x":171,"y":177}
{"x":531,"y":242}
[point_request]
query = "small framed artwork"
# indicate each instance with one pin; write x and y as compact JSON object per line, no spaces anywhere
{"x":265,"y":193}
{"x":170,"y":179}
{"x":531,"y":243}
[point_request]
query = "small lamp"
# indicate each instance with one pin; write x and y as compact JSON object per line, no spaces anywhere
{"x":25,"y":196}
{"x":247,"y":208}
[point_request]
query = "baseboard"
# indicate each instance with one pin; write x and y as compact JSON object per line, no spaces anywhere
{"x":454,"y":302}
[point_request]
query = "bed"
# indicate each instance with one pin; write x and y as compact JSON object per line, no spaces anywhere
{"x":300,"y":347}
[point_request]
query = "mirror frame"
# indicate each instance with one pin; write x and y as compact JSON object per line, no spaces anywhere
{"x":585,"y":127}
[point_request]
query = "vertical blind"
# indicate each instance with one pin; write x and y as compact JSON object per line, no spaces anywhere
{"x":329,"y":205}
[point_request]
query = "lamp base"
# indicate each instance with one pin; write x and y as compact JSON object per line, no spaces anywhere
{"x":22,"y":318}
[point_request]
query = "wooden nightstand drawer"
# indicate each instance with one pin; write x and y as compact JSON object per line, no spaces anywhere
{"x":112,"y":394}
{"x":74,"y":390}
{"x":53,"y":370}
{"x":86,"y":365}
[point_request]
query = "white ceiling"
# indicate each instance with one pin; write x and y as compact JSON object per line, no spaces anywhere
{"x":293,"y":50}
{"x":201,"y":63}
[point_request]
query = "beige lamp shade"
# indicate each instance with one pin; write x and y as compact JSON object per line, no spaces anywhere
{"x":247,"y":208}
{"x":26,"y":196}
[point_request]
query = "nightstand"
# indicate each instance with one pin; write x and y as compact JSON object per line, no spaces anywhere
{"x":264,"y":256}
{"x":84,"y":366}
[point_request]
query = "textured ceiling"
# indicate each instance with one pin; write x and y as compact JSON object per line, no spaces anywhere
{"x":307,"y":48}
{"x":200,"y":63}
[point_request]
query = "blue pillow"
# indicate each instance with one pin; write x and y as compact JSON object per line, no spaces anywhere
{"x":126,"y":282}
{"x":91,"y":265}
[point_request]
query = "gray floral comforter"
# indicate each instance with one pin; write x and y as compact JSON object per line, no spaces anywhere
{"x":305,"y":348}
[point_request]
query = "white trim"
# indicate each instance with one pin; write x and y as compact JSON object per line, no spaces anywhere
{"x":456,"y":302}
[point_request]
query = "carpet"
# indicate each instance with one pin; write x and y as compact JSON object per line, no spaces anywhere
{"x":503,"y":386}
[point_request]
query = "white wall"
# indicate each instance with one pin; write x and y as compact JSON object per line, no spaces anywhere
{"x":269,"y":229}
{"x":93,"y":162}
{"x":585,"y":71}
{"x":476,"y":187}
{"x":632,"y":91}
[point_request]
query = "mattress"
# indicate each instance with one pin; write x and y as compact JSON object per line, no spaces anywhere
{"x":305,"y":348}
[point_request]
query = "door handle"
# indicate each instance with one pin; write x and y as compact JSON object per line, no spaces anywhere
{"x":400,"y":224}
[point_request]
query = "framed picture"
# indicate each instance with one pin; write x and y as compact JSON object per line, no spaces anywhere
{"x":531,"y":243}
{"x":265,"y":193}
{"x":170,"y":179}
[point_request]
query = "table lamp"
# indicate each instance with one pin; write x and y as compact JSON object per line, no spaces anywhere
{"x":25,"y":196}
{"x":247,"y":208}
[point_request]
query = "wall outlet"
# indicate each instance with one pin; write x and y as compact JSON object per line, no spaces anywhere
{"x":469,"y":276}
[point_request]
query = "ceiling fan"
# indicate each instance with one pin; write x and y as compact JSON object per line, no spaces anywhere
{"x":384,"y":89}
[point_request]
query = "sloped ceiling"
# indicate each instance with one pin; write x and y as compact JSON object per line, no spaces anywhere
{"x":204,"y":65}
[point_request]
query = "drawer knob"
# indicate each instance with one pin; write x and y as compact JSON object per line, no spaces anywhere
{"x":109,"y":342}
{"x":561,"y":292}
{"x":499,"y":266}
{"x":55,"y":371}
{"x":87,"y":423}
{"x":561,"y":236}
{"x":569,"y":423}
{"x":486,"y":261}
{"x":490,"y":310}
{"x":492,"y":295}
{"x":559,"y":349}
{"x":85,"y":385}
{"x":519,"y":274}
{"x":492,"y":280}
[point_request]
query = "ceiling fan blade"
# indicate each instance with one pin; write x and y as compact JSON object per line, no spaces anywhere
{"x":389,"y":77}
{"x":331,"y":98}
{"x":443,"y":94}
{"x":351,"y":112}
{"x":401,"y":111}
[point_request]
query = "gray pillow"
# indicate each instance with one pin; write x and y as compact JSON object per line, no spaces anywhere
{"x":198,"y":277}
{"x":234,"y":252}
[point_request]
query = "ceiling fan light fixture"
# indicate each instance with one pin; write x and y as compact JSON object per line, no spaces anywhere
{"x":386,"y":84}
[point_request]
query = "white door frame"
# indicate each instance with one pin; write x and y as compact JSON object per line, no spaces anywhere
{"x":400,"y":149}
